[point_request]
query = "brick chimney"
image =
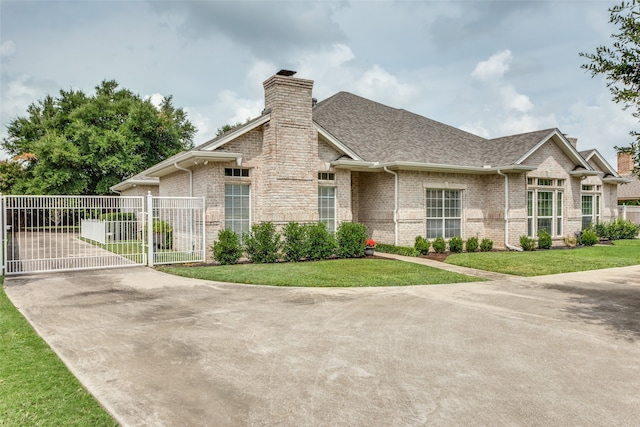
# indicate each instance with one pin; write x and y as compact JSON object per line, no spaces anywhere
{"x":625,"y":163}
{"x":290,"y":149}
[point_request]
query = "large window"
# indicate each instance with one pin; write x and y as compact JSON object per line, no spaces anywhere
{"x":237,"y":209}
{"x":444,"y":213}
{"x":587,"y":210}
{"x":544,"y":206}
{"x":327,"y":207}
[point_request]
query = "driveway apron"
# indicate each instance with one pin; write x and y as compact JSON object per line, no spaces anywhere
{"x":162,"y":350}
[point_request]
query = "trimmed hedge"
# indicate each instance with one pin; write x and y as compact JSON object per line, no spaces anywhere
{"x":397,"y":250}
{"x":351,"y":238}
{"x":227,"y":250}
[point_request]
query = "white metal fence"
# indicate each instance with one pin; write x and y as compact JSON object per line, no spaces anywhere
{"x":55,"y":233}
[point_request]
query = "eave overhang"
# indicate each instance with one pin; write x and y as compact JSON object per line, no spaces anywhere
{"x":428,"y":167}
{"x":190,"y":159}
{"x":584,"y":172}
{"x":616,"y":180}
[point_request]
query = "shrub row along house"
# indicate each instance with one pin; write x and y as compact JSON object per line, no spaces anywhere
{"x":348,"y":158}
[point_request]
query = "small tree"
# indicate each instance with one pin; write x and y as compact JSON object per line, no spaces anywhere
{"x":262,"y":243}
{"x":544,"y":239}
{"x":320,"y":242}
{"x":227,"y":250}
{"x":439,"y":245}
{"x":527,"y":243}
{"x":486,"y":245}
{"x":351,"y":238}
{"x":472,"y":244}
{"x":455,"y":244}
{"x":422,"y":245}
{"x":295,"y":237}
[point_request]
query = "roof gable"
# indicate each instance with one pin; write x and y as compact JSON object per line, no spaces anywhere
{"x":557,"y":137}
{"x":596,"y":158}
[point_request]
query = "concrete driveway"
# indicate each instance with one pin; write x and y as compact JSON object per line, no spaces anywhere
{"x":168,"y":351}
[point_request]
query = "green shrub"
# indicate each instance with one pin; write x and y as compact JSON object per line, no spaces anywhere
{"x":589,"y":237}
{"x":162,"y":234}
{"x":486,"y":245}
{"x":439,"y":245}
{"x":544,"y":239}
{"x":527,"y":243}
{"x":227,"y":250}
{"x":422,"y":245}
{"x":397,"y":250}
{"x":455,"y":244}
{"x":471,"y":244}
{"x":118,"y":216}
{"x":262,"y":243}
{"x":351,"y":238}
{"x":320,"y":242}
{"x":295,"y":240}
{"x":617,"y":229}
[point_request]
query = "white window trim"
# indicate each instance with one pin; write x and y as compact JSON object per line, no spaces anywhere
{"x":335,"y":206}
{"x":444,"y":218}
{"x":534,"y":188}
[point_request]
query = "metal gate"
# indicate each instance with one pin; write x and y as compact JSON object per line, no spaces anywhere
{"x":61,"y":233}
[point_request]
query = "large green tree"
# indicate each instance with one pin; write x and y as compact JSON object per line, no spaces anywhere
{"x":620,"y":63}
{"x":80,"y":144}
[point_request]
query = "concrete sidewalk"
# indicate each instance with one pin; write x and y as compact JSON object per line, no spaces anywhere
{"x":162,"y":350}
{"x":448,"y":267}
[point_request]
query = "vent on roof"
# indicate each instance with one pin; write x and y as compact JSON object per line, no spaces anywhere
{"x":287,"y":73}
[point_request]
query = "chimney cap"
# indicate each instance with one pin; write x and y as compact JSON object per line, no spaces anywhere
{"x":287,"y":73}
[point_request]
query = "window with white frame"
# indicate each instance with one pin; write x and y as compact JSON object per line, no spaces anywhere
{"x":237,"y":208}
{"x":545,"y":206}
{"x":591,"y":201}
{"x":327,"y":207}
{"x":444,"y":213}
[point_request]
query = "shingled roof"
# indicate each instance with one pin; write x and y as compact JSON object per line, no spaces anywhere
{"x":379,"y":133}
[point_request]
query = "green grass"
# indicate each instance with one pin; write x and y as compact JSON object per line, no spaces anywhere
{"x":538,"y":263}
{"x":334,"y":273}
{"x":36,"y":388}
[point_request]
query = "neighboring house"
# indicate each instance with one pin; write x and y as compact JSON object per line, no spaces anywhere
{"x":629,"y":192}
{"x":402,"y":175}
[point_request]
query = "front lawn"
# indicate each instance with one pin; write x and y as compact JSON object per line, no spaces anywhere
{"x":36,"y":388}
{"x":333,"y":273}
{"x":538,"y":263}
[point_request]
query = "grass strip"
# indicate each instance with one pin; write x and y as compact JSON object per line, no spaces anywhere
{"x":333,"y":273}
{"x":621,"y":253}
{"x":36,"y":388}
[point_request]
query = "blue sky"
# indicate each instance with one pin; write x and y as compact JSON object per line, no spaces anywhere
{"x":493,"y":68}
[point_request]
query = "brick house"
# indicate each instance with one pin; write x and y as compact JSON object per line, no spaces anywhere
{"x":348,"y":158}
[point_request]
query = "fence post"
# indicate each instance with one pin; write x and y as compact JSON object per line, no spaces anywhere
{"x":150,"y":245}
{"x":204,"y":229}
{"x":624,"y":212}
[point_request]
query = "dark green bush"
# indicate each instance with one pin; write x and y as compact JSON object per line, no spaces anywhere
{"x":118,"y":216}
{"x":527,"y":243}
{"x":351,"y":238}
{"x":227,"y":250}
{"x":422,"y":245}
{"x":262,"y":243}
{"x":589,"y":237}
{"x":455,"y":244}
{"x":439,"y":245}
{"x":295,"y":240}
{"x":471,"y":244}
{"x":162,"y":234}
{"x":486,"y":245}
{"x":616,"y":229}
{"x":320,"y":242}
{"x":397,"y":250}
{"x":544,"y":239}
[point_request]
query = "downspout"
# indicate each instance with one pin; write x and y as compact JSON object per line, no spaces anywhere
{"x":506,"y":213}
{"x":395,"y":205}
{"x":190,"y":178}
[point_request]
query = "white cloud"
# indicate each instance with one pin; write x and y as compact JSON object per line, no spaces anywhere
{"x":493,"y":68}
{"x":156,"y":99}
{"x":378,"y":84}
{"x":514,"y":101}
{"x":7,"y":48}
